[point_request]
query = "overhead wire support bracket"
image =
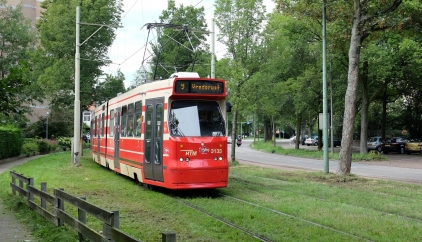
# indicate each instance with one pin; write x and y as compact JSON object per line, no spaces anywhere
{"x":176,"y":27}
{"x":101,"y":26}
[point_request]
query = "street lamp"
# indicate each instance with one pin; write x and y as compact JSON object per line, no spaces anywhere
{"x":46,"y":127}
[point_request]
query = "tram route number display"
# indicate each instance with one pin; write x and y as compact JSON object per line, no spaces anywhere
{"x":200,"y":87}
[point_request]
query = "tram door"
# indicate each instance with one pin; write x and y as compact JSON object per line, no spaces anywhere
{"x":153,"y":156}
{"x":117,"y":138}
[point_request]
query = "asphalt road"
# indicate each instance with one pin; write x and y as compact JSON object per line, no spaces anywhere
{"x":367,"y":170}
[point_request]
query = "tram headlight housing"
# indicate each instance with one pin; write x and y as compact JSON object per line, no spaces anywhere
{"x":187,"y":159}
{"x":221,"y":158}
{"x":215,"y":158}
{"x":181,"y":159}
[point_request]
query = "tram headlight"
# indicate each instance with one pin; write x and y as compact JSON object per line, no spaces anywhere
{"x":215,"y":158}
{"x":181,"y":159}
{"x":221,"y":158}
{"x":187,"y":159}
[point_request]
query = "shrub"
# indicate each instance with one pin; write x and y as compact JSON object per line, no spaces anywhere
{"x":30,"y":149}
{"x":10,"y":141}
{"x":43,"y":147}
{"x":65,"y":142}
{"x":47,"y":146}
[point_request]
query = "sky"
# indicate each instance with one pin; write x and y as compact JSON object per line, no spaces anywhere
{"x":127,"y":51}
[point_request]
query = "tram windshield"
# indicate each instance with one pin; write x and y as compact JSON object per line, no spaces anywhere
{"x":196,"y":118}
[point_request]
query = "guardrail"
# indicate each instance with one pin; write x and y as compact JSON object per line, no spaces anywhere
{"x":59,"y":217}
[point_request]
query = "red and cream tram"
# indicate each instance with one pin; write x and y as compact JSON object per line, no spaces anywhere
{"x":168,"y":133}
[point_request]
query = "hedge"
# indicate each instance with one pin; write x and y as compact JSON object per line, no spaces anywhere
{"x":11,"y":141}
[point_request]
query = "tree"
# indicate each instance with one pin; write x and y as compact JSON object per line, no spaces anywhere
{"x":141,"y":76}
{"x":110,"y":87}
{"x":55,"y":58}
{"x":367,"y":18}
{"x":291,"y":78}
{"x":179,"y":48}
{"x":240,"y":23}
{"x":16,"y":40}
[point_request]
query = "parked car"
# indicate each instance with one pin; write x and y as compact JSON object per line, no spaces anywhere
{"x":229,"y":139}
{"x":336,"y":142}
{"x":374,"y":143}
{"x":313,"y":140}
{"x":395,"y":144}
{"x":303,"y":139}
{"x":412,"y":146}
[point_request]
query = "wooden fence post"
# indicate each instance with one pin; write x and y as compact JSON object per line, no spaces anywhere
{"x":60,"y":205}
{"x":30,"y":196}
{"x":168,"y":237}
{"x":44,"y":189}
{"x":116,"y":222}
{"x":14,"y":182}
{"x":20,"y":185}
{"x":82,"y":218}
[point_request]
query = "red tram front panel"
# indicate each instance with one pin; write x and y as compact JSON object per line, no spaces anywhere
{"x":194,"y":163}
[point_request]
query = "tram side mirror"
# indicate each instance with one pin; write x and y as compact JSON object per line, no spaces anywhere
{"x":228,"y":107}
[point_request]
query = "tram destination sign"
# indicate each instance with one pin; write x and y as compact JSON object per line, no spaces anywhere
{"x":200,"y":87}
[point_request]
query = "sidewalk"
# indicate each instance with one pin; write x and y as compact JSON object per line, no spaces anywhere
{"x":10,"y":228}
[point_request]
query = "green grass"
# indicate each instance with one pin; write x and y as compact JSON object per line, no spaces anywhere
{"x":316,"y":154}
{"x":311,"y":206}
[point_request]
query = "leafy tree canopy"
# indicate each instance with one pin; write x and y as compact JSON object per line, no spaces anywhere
{"x":180,"y":49}
{"x":16,"y":40}
{"x":55,"y":59}
{"x":110,"y":87}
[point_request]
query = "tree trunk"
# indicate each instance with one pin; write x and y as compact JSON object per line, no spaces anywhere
{"x":364,"y":111}
{"x":299,"y":131}
{"x":267,"y":130}
{"x":344,"y":166}
{"x":384,"y":112}
{"x":273,"y":129}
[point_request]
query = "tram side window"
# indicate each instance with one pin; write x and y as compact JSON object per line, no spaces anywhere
{"x":138,"y":118}
{"x":159,"y":133}
{"x":94,"y":125}
{"x":123,"y":122}
{"x":130,"y":131}
{"x":148,"y":133}
{"x":111,"y":125}
{"x":99,"y":125}
{"x":102,"y":125}
{"x":130,"y":126}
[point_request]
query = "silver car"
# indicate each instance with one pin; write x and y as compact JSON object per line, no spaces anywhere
{"x":374,"y":143}
{"x":312,"y":141}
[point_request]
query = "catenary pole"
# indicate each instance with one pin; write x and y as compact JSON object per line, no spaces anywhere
{"x":324,"y":93}
{"x":77,"y":106}
{"x":212,"y":49}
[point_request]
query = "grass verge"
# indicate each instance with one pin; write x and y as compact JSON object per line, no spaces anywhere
{"x":276,"y":204}
{"x":316,"y":154}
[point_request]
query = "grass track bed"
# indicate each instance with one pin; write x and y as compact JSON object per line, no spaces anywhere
{"x":360,"y":207}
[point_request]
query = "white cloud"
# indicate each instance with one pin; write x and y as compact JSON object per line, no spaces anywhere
{"x":127,"y":51}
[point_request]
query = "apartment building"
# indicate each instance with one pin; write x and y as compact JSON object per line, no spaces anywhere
{"x":30,"y":8}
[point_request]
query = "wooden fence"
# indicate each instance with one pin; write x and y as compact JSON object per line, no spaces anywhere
{"x":59,"y":217}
